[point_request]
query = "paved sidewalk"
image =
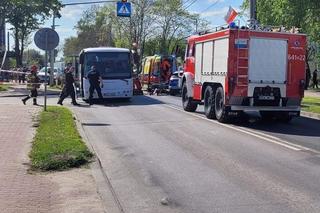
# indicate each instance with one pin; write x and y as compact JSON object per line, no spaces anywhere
{"x":312,"y":93}
{"x":22,"y":191}
{"x":19,"y":90}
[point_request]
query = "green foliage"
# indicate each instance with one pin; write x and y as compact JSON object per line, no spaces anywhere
{"x":25,"y":16}
{"x":57,"y":144}
{"x":156,"y":26}
{"x":290,"y":13}
{"x":32,"y":56}
{"x":311,"y":104}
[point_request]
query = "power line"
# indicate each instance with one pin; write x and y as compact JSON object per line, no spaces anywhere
{"x":214,"y":3}
{"x":194,"y":1}
{"x":186,"y":1}
{"x":89,"y":2}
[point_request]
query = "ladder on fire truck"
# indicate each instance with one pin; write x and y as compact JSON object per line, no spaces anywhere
{"x":242,"y":59}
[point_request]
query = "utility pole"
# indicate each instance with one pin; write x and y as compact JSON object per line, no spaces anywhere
{"x":253,"y":12}
{"x":52,"y":53}
{"x":196,"y":25}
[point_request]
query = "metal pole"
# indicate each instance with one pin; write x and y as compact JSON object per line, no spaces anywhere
{"x":253,"y":12}
{"x":52,"y":54}
{"x":196,"y":25}
{"x":46,"y":74}
{"x":8,"y":40}
{"x":253,"y":6}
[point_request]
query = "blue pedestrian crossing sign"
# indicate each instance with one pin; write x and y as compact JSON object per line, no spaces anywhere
{"x":123,"y":9}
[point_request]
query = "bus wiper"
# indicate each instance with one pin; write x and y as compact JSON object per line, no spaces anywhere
{"x":125,"y":80}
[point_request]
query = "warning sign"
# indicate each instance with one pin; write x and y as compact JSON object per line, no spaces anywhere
{"x":123,"y":9}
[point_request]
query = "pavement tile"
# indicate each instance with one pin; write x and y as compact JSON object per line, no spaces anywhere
{"x":20,"y":191}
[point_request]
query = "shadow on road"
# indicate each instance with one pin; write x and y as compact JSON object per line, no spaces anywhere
{"x":301,"y":126}
{"x":95,"y":124}
{"x":135,"y":101}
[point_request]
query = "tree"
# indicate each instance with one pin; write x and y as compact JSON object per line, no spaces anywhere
{"x":290,"y":13}
{"x":156,"y":26}
{"x":26,"y":16}
{"x":32,"y":56}
{"x":173,"y":21}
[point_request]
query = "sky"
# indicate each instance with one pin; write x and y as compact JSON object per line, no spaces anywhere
{"x":211,"y":10}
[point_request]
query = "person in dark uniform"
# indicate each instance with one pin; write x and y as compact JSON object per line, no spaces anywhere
{"x":95,"y":80}
{"x":68,"y":88}
{"x":33,"y":85}
{"x":315,"y":79}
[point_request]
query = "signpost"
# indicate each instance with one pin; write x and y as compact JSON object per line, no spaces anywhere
{"x":123,"y":9}
{"x":46,"y":39}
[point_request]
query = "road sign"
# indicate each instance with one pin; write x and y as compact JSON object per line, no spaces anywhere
{"x":123,"y":9}
{"x":46,"y":39}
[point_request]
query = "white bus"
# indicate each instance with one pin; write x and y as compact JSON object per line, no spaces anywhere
{"x":115,"y":68}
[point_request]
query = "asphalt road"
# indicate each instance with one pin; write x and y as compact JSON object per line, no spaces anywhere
{"x":151,"y":150}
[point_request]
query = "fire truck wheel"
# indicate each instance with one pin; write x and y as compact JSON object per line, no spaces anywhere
{"x":188,"y":104}
{"x":220,"y":109}
{"x":209,"y":106}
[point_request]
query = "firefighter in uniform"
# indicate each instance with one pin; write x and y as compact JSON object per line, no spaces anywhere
{"x":33,"y":85}
{"x":95,"y":81}
{"x":68,"y":88}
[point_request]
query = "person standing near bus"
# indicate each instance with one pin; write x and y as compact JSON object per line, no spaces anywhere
{"x":68,"y":88}
{"x":95,"y":81}
{"x":315,"y":79}
{"x":33,"y":84}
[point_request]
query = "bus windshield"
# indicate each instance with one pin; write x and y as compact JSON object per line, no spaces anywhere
{"x":111,"y":65}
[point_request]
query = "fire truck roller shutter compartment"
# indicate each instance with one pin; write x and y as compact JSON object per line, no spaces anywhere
{"x":268,"y":59}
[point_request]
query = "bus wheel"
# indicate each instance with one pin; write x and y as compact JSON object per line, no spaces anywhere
{"x":209,"y":106}
{"x":188,"y":104}
{"x":219,"y":107}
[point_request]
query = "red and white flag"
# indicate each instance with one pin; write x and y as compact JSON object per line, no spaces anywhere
{"x":231,"y":15}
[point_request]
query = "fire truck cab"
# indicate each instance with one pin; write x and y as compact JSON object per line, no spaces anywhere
{"x":236,"y":70}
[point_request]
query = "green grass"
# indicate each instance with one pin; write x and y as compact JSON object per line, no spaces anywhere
{"x":57,"y":144}
{"x":4,"y":87}
{"x":58,"y":87}
{"x":311,"y":104}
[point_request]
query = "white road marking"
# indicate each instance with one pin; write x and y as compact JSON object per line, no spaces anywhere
{"x":256,"y":134}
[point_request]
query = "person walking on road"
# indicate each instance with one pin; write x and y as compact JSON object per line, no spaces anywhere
{"x":315,"y":79}
{"x":308,"y":77}
{"x":33,"y":84}
{"x":95,"y":81}
{"x":68,"y":88}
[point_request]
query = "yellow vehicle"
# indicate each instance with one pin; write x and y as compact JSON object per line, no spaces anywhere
{"x":156,"y":71}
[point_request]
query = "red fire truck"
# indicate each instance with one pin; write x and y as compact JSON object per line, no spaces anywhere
{"x":236,"y":70}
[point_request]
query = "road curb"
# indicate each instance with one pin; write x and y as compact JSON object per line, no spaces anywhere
{"x":310,"y":115}
{"x":105,"y":191}
{"x":23,"y":95}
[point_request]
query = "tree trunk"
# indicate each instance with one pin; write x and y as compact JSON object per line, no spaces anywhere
{"x":17,"y":50}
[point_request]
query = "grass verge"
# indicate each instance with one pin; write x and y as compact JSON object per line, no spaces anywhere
{"x":4,"y":87}
{"x":311,"y":104}
{"x":57,"y":144}
{"x":56,"y":87}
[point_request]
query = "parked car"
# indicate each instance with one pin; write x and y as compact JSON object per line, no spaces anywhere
{"x":57,"y":75}
{"x":175,"y":82}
